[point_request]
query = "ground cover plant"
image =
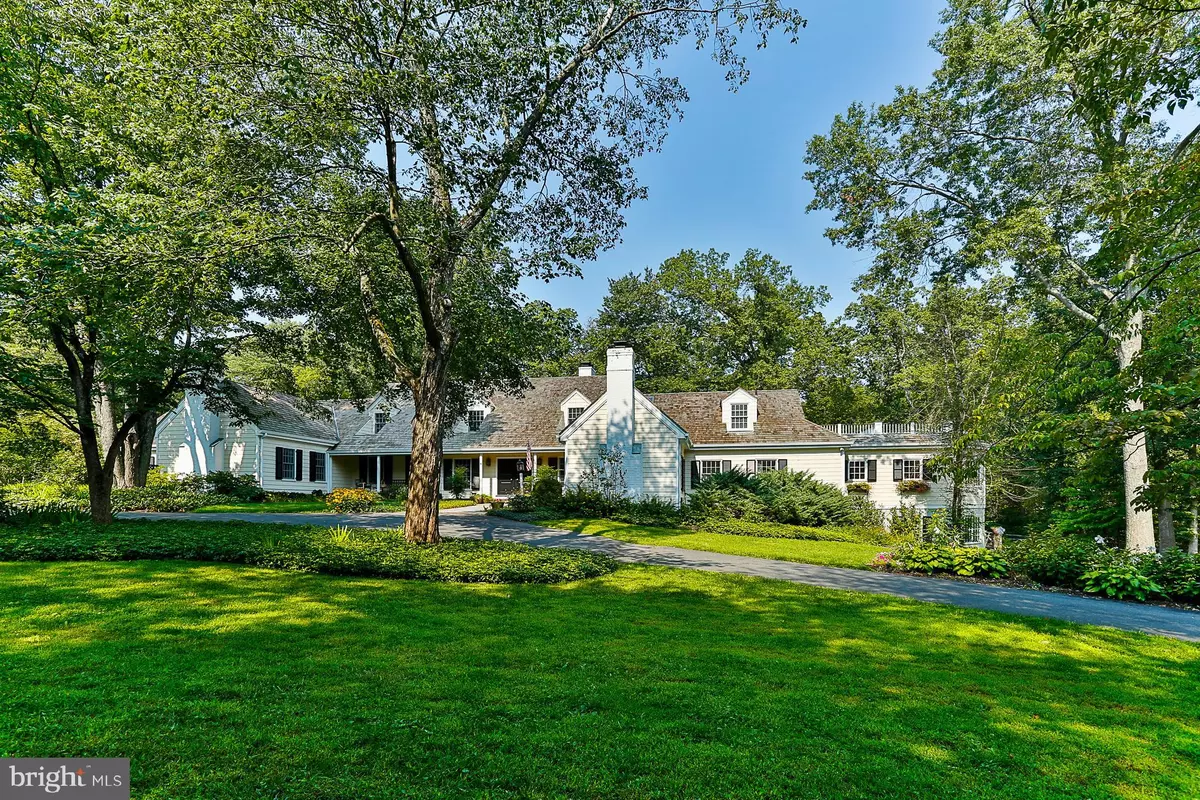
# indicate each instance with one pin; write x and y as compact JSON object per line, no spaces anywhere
{"x":646,"y":682}
{"x":301,"y":548}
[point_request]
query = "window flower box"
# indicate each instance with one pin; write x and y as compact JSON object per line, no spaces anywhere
{"x":913,"y":486}
{"x":858,"y":487}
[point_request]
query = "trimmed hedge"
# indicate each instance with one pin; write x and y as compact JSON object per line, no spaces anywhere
{"x":333,"y":551}
{"x":777,"y":530}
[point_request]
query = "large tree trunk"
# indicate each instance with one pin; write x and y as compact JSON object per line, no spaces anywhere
{"x":1166,"y":526}
{"x":1194,"y":543}
{"x":421,"y":509}
{"x":1139,"y":521}
{"x":99,"y":479}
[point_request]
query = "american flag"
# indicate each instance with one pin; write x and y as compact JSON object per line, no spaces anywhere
{"x":529,"y":457}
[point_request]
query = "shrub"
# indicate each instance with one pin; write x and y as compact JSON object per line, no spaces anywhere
{"x":521,"y":502}
{"x":482,"y":498}
{"x":394,"y":491}
{"x":340,"y":551}
{"x":777,"y":530}
{"x":352,"y":501}
{"x":1177,"y":573}
{"x":584,"y":501}
{"x":913,"y":486}
{"x":966,"y":561}
{"x":858,"y":487}
{"x":1054,"y":559}
{"x":712,"y":500}
{"x":797,"y":498}
{"x":547,"y":488}
{"x":240,"y":487}
{"x":459,"y":481}
{"x":170,"y":496}
{"x":647,"y":511}
{"x":1116,"y":574}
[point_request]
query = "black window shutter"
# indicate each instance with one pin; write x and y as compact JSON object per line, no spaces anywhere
{"x":278,"y":463}
{"x":925,"y":473}
{"x":897,"y":469}
{"x":312,"y":464}
{"x":781,"y":465}
{"x":726,"y":466}
{"x":299,"y":465}
{"x":695,"y":474}
{"x":846,"y":469}
{"x":751,"y":466}
{"x":872,"y":471}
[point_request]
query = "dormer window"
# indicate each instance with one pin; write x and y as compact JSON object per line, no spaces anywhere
{"x":381,"y":419}
{"x":739,"y":411}
{"x":474,"y":419}
{"x":574,"y":414}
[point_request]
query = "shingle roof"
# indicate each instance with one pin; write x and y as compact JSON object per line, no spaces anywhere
{"x":282,"y":414}
{"x":533,"y":417}
{"x":780,"y":418}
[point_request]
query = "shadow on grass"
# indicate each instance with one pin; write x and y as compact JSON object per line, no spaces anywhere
{"x":645,"y":682}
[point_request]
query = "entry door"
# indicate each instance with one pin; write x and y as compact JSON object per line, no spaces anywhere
{"x":508,"y":475}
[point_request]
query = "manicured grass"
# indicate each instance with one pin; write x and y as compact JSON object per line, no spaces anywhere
{"x":833,"y":554}
{"x":225,"y":681}
{"x":315,"y":505}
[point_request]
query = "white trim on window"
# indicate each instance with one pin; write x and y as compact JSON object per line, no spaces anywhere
{"x":911,"y":469}
{"x":856,"y":470}
{"x":289,"y":464}
{"x":739,"y":416}
{"x":381,"y":419}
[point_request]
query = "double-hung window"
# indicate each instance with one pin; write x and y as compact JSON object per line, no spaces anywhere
{"x":474,"y":419}
{"x":574,"y":414}
{"x":739,"y":416}
{"x":289,"y":464}
{"x":856,"y":470}
{"x":380,"y":420}
{"x":767,"y":465}
{"x":708,"y":468}
{"x":911,"y":470}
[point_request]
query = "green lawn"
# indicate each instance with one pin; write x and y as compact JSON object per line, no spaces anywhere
{"x":312,"y":505}
{"x":833,"y":554}
{"x":225,"y":681}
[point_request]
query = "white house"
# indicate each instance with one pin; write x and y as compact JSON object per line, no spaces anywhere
{"x":670,"y":442}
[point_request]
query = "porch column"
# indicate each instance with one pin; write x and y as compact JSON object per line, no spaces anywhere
{"x":378,"y":472}
{"x":480,"y":489}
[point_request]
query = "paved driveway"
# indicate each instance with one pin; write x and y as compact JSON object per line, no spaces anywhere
{"x":471,"y":523}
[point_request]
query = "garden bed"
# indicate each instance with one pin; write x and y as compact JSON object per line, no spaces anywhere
{"x":301,"y":548}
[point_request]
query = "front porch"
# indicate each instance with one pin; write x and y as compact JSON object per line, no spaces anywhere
{"x":498,"y":473}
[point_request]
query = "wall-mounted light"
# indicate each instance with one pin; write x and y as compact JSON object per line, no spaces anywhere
{"x":487,"y":461}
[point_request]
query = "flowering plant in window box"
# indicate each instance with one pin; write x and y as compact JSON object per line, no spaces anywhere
{"x":860,"y":487}
{"x":913,"y":486}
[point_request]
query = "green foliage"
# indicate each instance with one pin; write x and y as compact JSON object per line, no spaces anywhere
{"x":797,"y":498}
{"x":236,"y":486}
{"x":521,"y":503}
{"x":1053,"y":558}
{"x":339,"y":551}
{"x":912,"y":486}
{"x":352,"y":501}
{"x":791,"y":498}
{"x":778,"y":530}
{"x":394,"y":491}
{"x":1116,"y":574}
{"x":459,"y":482}
{"x":965,"y":561}
{"x":36,"y":449}
{"x":1177,"y":572}
{"x":858,"y":487}
{"x":547,"y":489}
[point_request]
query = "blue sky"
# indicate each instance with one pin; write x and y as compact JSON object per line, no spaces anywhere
{"x":730,"y":176}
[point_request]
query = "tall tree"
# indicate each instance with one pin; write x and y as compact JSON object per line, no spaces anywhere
{"x":699,"y":322}
{"x":502,"y":122}
{"x":997,"y":166}
{"x":113,"y":297}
